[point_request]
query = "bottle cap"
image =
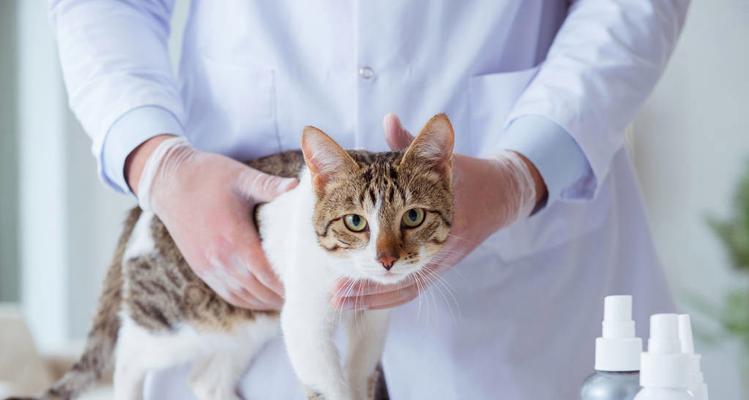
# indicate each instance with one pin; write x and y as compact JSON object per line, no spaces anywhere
{"x":696,"y":379}
{"x":685,"y":334}
{"x":618,"y":349}
{"x":664,"y":365}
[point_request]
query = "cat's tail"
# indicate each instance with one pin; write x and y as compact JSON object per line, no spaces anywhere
{"x":98,"y":356}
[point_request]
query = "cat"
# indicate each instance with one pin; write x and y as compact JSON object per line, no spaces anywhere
{"x":360,"y":215}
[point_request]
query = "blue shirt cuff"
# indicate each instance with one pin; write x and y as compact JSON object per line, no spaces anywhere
{"x":128,"y":132}
{"x":553,"y":151}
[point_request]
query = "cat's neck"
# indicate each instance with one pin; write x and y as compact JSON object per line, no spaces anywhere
{"x":287,"y":230}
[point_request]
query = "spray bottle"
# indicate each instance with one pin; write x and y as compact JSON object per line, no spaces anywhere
{"x":696,"y":380}
{"x":664,"y":373}
{"x":617,"y":363}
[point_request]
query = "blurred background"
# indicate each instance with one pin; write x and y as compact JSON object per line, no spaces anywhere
{"x":59,"y":224}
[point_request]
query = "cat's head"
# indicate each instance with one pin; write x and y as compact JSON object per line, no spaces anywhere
{"x":383,"y":215}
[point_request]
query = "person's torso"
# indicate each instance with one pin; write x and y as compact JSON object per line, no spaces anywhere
{"x":255,"y":73}
{"x":526,"y":304}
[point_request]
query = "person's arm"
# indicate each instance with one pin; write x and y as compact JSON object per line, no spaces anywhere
{"x":116,"y":67}
{"x":488,"y":194}
{"x":550,"y":152}
{"x":603,"y":63}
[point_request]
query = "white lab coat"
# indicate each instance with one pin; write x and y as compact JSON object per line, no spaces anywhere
{"x":528,"y":302}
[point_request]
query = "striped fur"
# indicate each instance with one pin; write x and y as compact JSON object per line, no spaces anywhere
{"x":158,"y":292}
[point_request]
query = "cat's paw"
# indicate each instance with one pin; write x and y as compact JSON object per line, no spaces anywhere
{"x":214,"y":393}
{"x":313,"y":394}
{"x":372,"y":385}
{"x":209,"y":387}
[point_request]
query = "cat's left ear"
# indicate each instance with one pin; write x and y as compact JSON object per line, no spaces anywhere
{"x":324,"y":157}
{"x":433,"y":146}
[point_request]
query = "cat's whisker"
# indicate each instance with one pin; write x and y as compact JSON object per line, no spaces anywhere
{"x":419,"y":292}
{"x":357,"y":314}
{"x":342,"y":290}
{"x":436,"y":295}
{"x":457,"y":238}
{"x":445,"y":254}
{"x":431,"y":301}
{"x":356,"y":294}
{"x":433,"y":298}
{"x":346,"y":291}
{"x":429,"y":277}
{"x":446,"y":291}
{"x":445,"y":262}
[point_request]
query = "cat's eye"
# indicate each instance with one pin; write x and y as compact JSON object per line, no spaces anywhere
{"x":355,"y":222}
{"x":413,"y":218}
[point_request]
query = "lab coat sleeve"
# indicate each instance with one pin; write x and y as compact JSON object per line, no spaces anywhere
{"x":602,"y":65}
{"x":116,"y":68}
{"x":552,"y":150}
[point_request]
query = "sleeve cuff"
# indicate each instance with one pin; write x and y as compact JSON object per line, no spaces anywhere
{"x":554,"y":152}
{"x":128,"y":132}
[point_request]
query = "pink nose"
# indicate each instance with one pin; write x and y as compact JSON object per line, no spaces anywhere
{"x":387,"y":261}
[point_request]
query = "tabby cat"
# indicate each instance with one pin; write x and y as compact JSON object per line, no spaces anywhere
{"x":360,"y":215}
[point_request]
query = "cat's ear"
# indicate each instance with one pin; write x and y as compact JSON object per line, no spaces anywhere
{"x":324,"y":157}
{"x":433,"y":146}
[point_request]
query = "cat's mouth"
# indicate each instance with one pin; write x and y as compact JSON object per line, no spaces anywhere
{"x":375,"y":272}
{"x":389,"y":278}
{"x":394,"y":275}
{"x":390,"y":275}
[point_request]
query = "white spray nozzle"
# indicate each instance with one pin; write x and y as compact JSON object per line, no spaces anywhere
{"x":664,"y":365}
{"x":664,"y":334}
{"x":685,"y":334}
{"x":617,"y":317}
{"x":696,"y":379}
{"x":618,"y":349}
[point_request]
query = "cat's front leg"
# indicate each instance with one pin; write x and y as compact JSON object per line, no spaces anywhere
{"x":217,"y":373}
{"x":215,"y":377}
{"x":308,"y":323}
{"x":366,"y":331}
{"x":130,"y":366}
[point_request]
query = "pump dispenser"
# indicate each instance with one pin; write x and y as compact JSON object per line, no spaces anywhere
{"x":617,"y":361}
{"x":696,"y":380}
{"x":664,"y":373}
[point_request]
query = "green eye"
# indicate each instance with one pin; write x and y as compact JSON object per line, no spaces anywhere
{"x":355,"y":222}
{"x":413,"y":218}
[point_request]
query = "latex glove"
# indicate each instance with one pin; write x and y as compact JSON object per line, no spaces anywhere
{"x":489,"y":194}
{"x":206,"y":201}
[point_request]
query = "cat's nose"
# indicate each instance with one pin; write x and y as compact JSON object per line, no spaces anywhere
{"x":387,"y":260}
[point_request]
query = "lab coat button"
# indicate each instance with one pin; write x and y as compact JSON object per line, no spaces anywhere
{"x":366,"y":72}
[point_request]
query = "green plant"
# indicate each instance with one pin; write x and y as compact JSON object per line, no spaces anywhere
{"x":734,"y":232}
{"x":732,"y":317}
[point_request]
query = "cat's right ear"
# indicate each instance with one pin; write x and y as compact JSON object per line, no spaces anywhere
{"x":433,"y":146}
{"x":324,"y":157}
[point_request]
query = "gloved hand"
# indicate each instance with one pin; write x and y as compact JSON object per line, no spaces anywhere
{"x":206,"y":202}
{"x":489,"y":194}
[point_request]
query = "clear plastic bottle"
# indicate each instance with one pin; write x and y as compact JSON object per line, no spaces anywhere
{"x":664,"y":369}
{"x":656,"y":393}
{"x":617,"y":363}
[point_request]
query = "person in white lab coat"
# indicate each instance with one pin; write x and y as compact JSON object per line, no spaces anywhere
{"x":555,"y":81}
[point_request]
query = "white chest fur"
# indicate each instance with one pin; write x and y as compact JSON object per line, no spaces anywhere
{"x":307,"y":319}
{"x":289,"y":238}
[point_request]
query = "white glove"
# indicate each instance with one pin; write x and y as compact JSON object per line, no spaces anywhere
{"x":206,"y":201}
{"x":489,"y":194}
